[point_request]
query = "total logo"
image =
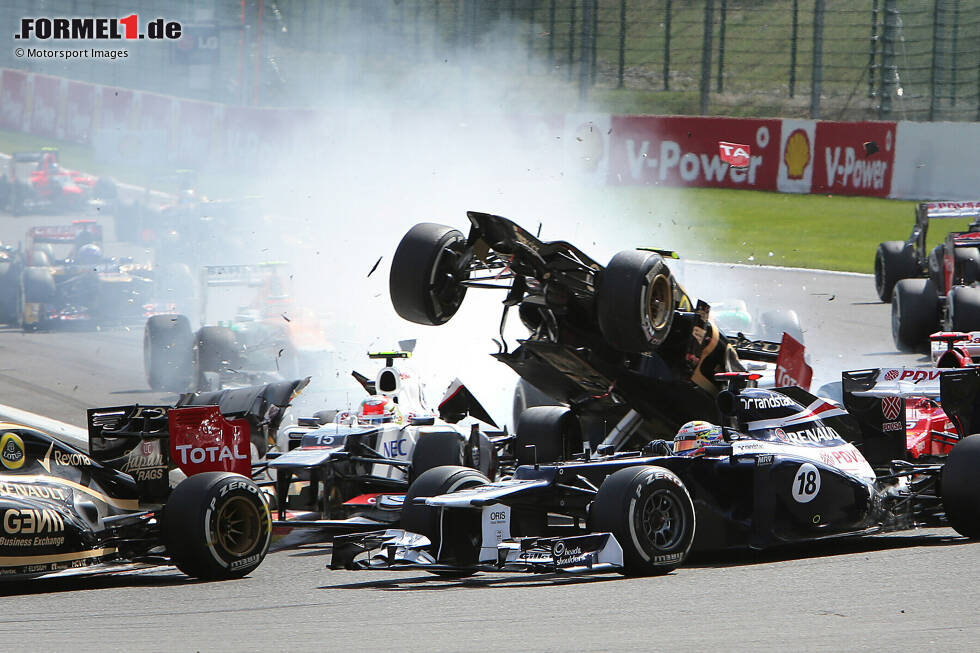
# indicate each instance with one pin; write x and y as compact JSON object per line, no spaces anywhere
{"x":197,"y":455}
{"x":12,"y":453}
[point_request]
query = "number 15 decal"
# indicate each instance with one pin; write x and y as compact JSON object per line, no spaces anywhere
{"x":806,"y":483}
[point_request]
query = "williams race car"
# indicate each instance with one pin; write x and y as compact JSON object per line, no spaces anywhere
{"x":621,"y":344}
{"x":780,"y":469}
{"x":122,"y":504}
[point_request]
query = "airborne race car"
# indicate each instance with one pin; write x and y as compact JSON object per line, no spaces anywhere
{"x":934,"y":291}
{"x":782,"y":471}
{"x":270,"y":338}
{"x":351,"y":474}
{"x":621,"y":344}
{"x":36,"y":180}
{"x":114,"y":508}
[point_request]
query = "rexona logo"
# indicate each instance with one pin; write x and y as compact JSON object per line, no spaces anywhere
{"x":12,"y":453}
{"x":796,"y":156}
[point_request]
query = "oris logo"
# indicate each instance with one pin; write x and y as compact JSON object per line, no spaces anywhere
{"x":891,"y":407}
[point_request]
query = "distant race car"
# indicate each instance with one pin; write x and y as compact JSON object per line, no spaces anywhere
{"x":351,"y":473}
{"x":779,"y":469}
{"x":271,"y":337}
{"x":622,"y":345}
{"x":35,"y":180}
{"x":934,"y":291}
{"x":77,"y":284}
{"x":123,"y":504}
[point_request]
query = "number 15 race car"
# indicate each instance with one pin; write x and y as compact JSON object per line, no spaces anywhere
{"x":781,"y":469}
{"x":64,"y":511}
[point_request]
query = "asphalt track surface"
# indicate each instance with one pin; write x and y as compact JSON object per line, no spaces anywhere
{"x":915,"y":590}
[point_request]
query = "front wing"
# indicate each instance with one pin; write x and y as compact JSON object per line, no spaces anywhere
{"x":400,"y":549}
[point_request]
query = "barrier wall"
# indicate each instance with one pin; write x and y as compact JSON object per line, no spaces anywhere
{"x":910,"y":160}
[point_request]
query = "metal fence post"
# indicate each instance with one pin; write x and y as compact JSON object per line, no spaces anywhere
{"x":584,"y":55}
{"x":551,"y":35}
{"x":622,"y":42}
{"x":954,"y":52}
{"x":721,"y":47}
{"x":935,"y":72}
{"x":667,"y":8}
{"x":873,"y":49}
{"x":816,"y":81}
{"x":709,"y":21}
{"x":888,"y":69}
{"x":571,"y":38}
{"x":792,"y":48}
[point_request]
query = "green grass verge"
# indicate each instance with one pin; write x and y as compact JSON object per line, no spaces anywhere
{"x":811,"y":231}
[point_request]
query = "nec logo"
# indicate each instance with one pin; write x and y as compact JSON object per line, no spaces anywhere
{"x":395,"y":448}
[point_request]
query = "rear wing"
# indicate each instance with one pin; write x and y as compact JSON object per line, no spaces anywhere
{"x":876,"y":398}
{"x":926,"y":211}
{"x":89,"y":230}
{"x":245,"y":276}
{"x":209,"y":431}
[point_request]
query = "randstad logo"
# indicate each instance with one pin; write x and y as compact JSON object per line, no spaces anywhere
{"x":12,"y":451}
{"x":797,"y":154}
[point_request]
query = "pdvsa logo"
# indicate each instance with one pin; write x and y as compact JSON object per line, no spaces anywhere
{"x":12,"y":453}
{"x":796,"y":155}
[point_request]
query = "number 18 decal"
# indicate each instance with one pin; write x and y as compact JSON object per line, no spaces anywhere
{"x":806,"y":483}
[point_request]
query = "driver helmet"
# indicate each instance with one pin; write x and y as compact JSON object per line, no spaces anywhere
{"x":87,"y":254}
{"x":695,"y":435}
{"x":378,"y":409}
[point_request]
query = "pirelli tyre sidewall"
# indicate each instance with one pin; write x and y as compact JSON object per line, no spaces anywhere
{"x":217,"y":526}
{"x":961,"y":487}
{"x":915,"y":313}
{"x":894,"y":261}
{"x":635,"y":301}
{"x":424,"y":278}
{"x":649,"y":511}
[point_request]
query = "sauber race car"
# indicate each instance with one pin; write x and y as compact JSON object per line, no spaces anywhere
{"x":351,"y":473}
{"x":780,"y":468}
{"x":160,"y":485}
{"x":936,"y":290}
{"x":621,"y":343}
{"x":36,"y":180}
{"x":271,"y":337}
{"x":69,"y":280}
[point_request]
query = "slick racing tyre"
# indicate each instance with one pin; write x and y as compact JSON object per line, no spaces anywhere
{"x":961,"y":487}
{"x":426,"y":271}
{"x":964,"y":308}
{"x":894,"y":261}
{"x":216,"y":525}
{"x":527,"y":396}
{"x":457,"y":536}
{"x":217,"y":349}
{"x":650,"y":513}
{"x":437,"y":450}
{"x":915,"y":313}
{"x":40,"y":257}
{"x":547,"y":434}
{"x":11,"y":300}
{"x":39,"y":285}
{"x":168,"y":353}
{"x":635,"y":301}
{"x":967,"y":264}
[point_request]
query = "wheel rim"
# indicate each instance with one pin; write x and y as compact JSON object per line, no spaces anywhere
{"x":662,"y":520}
{"x":659,"y":301}
{"x":445,"y":290}
{"x":238,"y":526}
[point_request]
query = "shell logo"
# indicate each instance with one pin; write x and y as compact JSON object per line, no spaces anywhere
{"x":797,"y":154}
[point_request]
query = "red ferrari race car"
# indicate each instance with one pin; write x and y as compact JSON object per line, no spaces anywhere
{"x":932,"y":291}
{"x":36,"y":180}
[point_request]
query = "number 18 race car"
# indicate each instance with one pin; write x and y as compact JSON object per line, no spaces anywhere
{"x":780,"y":469}
{"x":64,"y":511}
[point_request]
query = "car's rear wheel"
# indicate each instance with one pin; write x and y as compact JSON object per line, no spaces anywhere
{"x":426,"y":271}
{"x":650,"y":513}
{"x":961,"y":487}
{"x":915,"y":313}
{"x":968,"y":264}
{"x":217,"y":349}
{"x":964,"y":308}
{"x":216,"y":526}
{"x":11,"y":300}
{"x":546,"y":434}
{"x":168,"y":353}
{"x":635,"y":301}
{"x":894,"y":261}
{"x":455,"y":534}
